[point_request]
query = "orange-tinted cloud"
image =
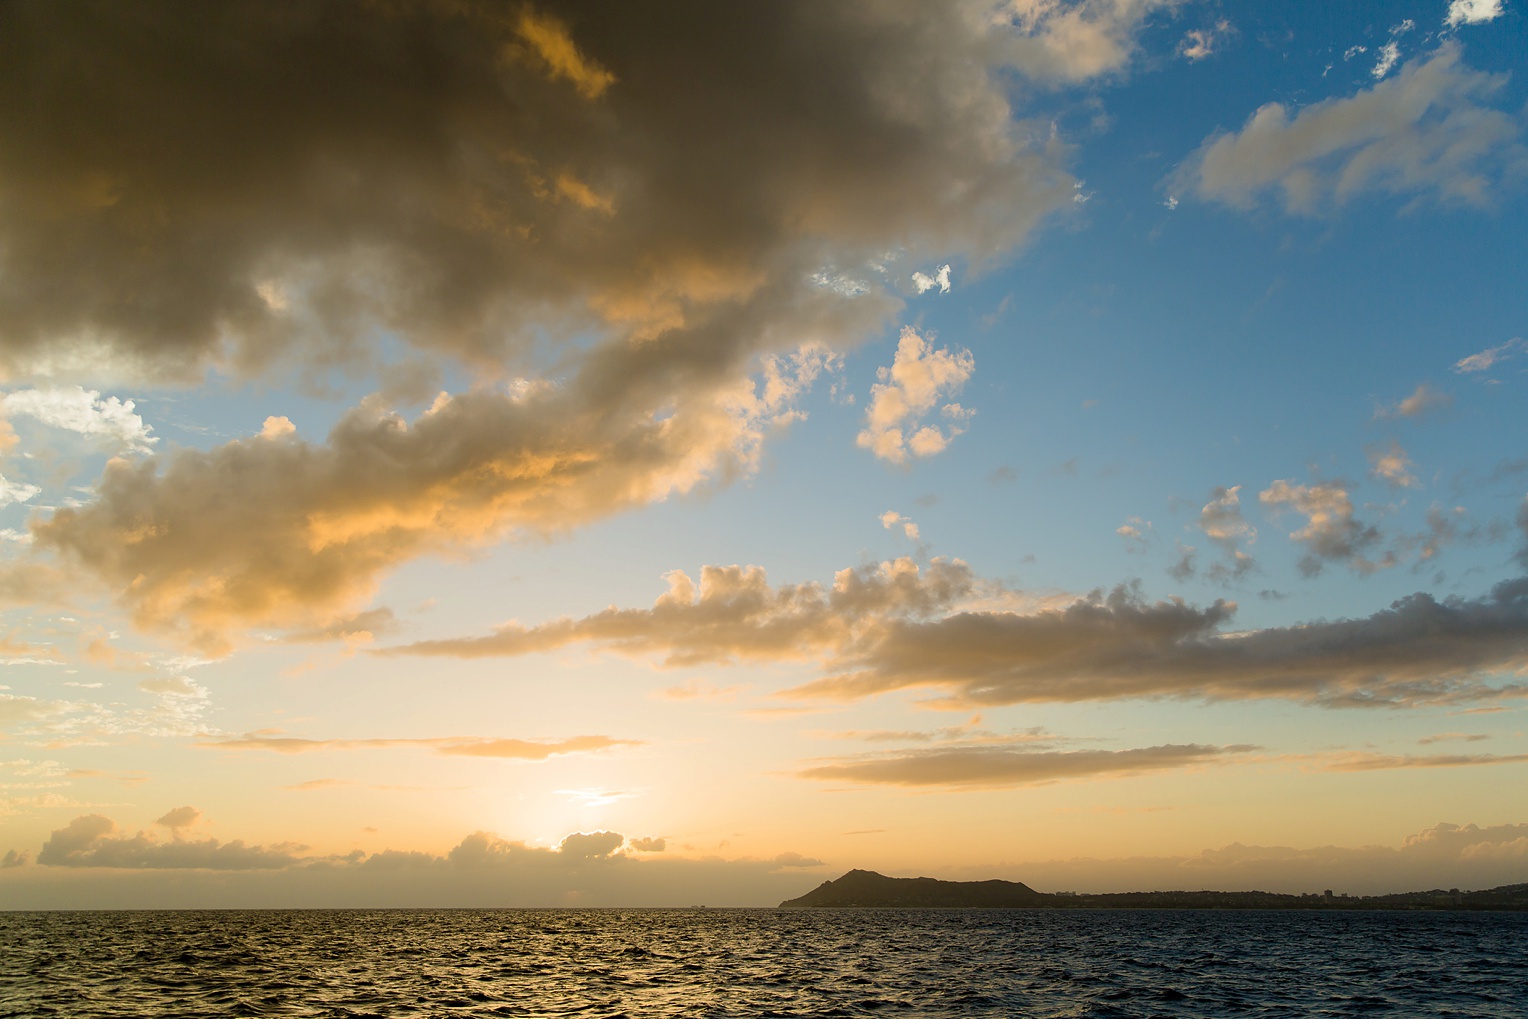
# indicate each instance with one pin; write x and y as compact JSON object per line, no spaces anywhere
{"x":458,"y":746}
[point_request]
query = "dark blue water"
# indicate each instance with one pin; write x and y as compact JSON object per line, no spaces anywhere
{"x":597,"y":963}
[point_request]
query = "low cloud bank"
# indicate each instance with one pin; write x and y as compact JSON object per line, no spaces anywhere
{"x":1443,"y":856}
{"x":90,"y":863}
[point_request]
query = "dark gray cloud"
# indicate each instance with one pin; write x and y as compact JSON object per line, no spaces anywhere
{"x":986,"y":766}
{"x":91,"y":841}
{"x":252,"y":181}
{"x":895,"y":627}
{"x":91,"y":863}
{"x":1419,"y":650}
{"x":652,"y":206}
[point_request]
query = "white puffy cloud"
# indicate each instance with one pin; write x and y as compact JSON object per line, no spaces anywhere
{"x":15,"y":491}
{"x":891,"y":518}
{"x":1389,"y":56}
{"x":919,"y":377}
{"x":1429,"y":130}
{"x":1472,"y":12}
{"x":940,"y":279}
{"x":84,"y":411}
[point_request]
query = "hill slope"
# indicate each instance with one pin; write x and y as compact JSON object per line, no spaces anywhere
{"x":867,"y":888}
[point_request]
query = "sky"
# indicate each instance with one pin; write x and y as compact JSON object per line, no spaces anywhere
{"x":522,"y":453}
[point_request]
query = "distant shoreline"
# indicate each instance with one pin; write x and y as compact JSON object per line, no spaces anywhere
{"x":869,"y":890}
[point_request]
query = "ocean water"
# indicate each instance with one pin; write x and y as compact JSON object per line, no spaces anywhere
{"x":639,"y":963}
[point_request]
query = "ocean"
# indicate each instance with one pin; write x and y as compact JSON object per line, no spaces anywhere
{"x":762,"y":962}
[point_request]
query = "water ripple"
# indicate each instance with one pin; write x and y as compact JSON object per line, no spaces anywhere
{"x":612,"y":964}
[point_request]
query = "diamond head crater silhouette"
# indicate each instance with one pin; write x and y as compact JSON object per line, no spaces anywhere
{"x":866,"y":888}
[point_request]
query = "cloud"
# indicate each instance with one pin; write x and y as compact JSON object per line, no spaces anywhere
{"x":941,"y":279}
{"x":1427,"y":131}
{"x":1222,"y":522}
{"x":1490,"y":357}
{"x":454,"y":746}
{"x":897,"y":626}
{"x":1446,"y":855}
{"x":735,"y":615}
{"x":84,"y":411}
{"x":15,"y":491}
{"x":918,"y":378}
{"x":178,"y":708}
{"x":1332,"y":533}
{"x":90,"y":841}
{"x":281,"y":533}
{"x":1472,"y":12}
{"x":180,"y":817}
{"x":486,"y":869}
{"x":1072,"y":42}
{"x":1522,"y":525}
{"x":257,"y":187}
{"x":110,"y":869}
{"x":1199,"y":43}
{"x":362,"y":626}
{"x":1387,"y":762}
{"x":1422,"y":401}
{"x":1418,"y":651}
{"x":16,"y":709}
{"x":592,"y":845}
{"x":1443,"y":737}
{"x":175,"y":686}
{"x":891,"y":518}
{"x":313,"y":185}
{"x":549,"y":39}
{"x":1391,"y":465}
{"x":1137,"y":534}
{"x":1389,"y":55}
{"x":976,"y":767}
